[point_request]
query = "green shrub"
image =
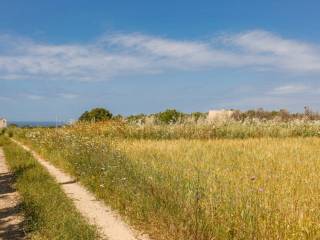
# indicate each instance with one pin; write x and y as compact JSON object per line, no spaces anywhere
{"x":96,"y":115}
{"x":169,"y":116}
{"x":2,"y":131}
{"x":10,"y":133}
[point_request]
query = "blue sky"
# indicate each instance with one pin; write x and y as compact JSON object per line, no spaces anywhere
{"x":60,"y":58}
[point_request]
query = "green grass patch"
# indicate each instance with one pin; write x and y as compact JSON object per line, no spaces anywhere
{"x":49,"y":213}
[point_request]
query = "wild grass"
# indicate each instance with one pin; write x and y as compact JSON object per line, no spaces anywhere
{"x":252,"y":188}
{"x":229,"y":130}
{"x":49,"y":213}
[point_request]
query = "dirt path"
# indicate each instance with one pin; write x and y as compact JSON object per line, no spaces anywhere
{"x":11,"y":220}
{"x":108,"y":222}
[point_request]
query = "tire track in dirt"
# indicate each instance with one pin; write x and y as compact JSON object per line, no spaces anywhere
{"x":109,"y":223}
{"x":11,"y":219}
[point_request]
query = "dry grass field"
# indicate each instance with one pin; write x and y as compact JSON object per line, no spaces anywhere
{"x":219,"y":187}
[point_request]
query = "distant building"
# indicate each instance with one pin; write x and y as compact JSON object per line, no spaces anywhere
{"x":3,"y":123}
{"x":221,"y":116}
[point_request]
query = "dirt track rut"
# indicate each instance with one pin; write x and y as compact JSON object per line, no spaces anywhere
{"x":11,"y":219}
{"x":96,"y":212}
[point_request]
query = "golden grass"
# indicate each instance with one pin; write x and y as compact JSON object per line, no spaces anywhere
{"x":254,"y":188}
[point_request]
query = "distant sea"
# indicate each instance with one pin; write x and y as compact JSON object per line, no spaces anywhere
{"x":37,"y":124}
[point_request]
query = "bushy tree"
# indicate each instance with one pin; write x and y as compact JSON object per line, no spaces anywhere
{"x":117,"y":117}
{"x":169,"y":116}
{"x":139,"y":118}
{"x":96,"y":115}
{"x":197,"y":115}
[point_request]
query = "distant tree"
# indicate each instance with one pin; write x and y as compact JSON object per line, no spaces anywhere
{"x":309,"y":114}
{"x":169,"y":116}
{"x":84,"y":116}
{"x":2,"y":131}
{"x":139,"y":118}
{"x":238,"y":115}
{"x":96,"y":115}
{"x":197,"y":115}
{"x":117,"y":117}
{"x":284,"y":115}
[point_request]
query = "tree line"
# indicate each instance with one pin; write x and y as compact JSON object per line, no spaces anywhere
{"x":173,"y":116}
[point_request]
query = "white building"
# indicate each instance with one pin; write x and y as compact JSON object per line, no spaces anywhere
{"x":3,"y":123}
{"x":219,"y":116}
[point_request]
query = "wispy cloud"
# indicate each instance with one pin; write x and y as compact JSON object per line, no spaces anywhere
{"x":279,"y":52}
{"x":68,"y":96}
{"x":289,"y":89}
{"x":34,"y":97}
{"x":129,"y":54}
{"x":5,"y":98}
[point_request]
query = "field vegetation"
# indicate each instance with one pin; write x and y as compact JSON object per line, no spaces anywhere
{"x":49,"y":214}
{"x":236,"y":180}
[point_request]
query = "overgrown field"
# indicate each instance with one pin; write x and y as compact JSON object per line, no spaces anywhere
{"x":49,"y":214}
{"x":259,"y":187}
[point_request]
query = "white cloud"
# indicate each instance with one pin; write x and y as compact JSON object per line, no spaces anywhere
{"x":279,"y":52}
{"x":5,"y":98}
{"x":289,"y":89}
{"x":130,"y":54}
{"x":68,"y":96}
{"x":34,"y":97}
